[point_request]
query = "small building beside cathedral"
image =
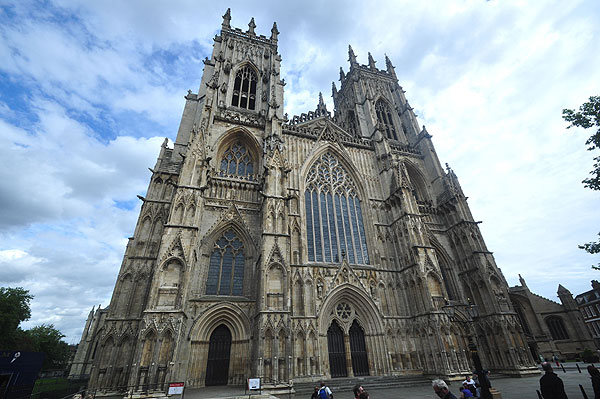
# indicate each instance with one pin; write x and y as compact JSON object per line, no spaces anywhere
{"x":329,"y":244}
{"x":551,"y":328}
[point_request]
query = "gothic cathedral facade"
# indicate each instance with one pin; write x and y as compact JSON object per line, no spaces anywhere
{"x":323,"y":245}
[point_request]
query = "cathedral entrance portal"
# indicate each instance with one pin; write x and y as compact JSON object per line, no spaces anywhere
{"x":219,"y":348}
{"x":358,"y":350}
{"x":337,"y":351}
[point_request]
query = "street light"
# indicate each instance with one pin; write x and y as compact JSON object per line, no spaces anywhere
{"x":467,"y":315}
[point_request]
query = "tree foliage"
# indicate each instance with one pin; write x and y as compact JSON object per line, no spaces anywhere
{"x":45,"y":338}
{"x":14,"y":309}
{"x":588,"y":117}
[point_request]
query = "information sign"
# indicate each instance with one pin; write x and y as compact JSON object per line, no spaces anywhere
{"x":175,"y":388}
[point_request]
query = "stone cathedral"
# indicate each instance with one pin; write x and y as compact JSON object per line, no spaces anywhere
{"x":329,"y":244}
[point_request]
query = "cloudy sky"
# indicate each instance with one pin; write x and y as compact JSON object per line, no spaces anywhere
{"x":89,"y":90}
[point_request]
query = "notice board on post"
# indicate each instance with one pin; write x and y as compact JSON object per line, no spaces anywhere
{"x":253,"y":384}
{"x":175,"y":388}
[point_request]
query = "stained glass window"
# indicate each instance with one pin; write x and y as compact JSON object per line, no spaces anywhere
{"x":384,"y":116}
{"x":334,"y":222}
{"x":244,"y":88}
{"x":226,"y":266}
{"x":237,"y":160}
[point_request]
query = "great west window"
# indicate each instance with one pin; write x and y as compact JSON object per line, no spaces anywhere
{"x":334,"y":222}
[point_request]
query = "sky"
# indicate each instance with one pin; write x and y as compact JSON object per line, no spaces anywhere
{"x":90,"y":89}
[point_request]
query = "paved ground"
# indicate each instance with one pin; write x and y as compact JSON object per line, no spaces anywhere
{"x":510,"y":388}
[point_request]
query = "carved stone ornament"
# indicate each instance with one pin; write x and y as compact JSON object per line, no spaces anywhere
{"x":272,"y":142}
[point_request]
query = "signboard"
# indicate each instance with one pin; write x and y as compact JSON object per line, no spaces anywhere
{"x":253,"y":383}
{"x":175,"y":388}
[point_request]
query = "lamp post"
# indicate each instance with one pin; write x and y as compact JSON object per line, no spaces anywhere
{"x":470,"y":313}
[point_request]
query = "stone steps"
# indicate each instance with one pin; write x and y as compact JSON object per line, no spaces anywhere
{"x":346,"y":384}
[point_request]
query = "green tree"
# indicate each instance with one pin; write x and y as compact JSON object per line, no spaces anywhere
{"x":45,"y":338}
{"x":14,"y":309}
{"x":588,"y":117}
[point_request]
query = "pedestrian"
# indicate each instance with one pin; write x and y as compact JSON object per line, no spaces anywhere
{"x":358,"y":389}
{"x":315,"y":394}
{"x":465,"y":392}
{"x":595,"y":374}
{"x":551,"y":385}
{"x":470,"y":383}
{"x":325,"y":392}
{"x":364,"y":395}
{"x":555,"y":358}
{"x":441,"y":389}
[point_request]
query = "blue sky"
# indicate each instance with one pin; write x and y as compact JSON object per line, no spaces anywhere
{"x":89,"y":90}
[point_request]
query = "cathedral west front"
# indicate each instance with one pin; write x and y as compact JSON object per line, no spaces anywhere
{"x":329,"y":244}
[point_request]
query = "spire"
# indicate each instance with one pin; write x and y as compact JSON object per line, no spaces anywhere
{"x":251,"y":26}
{"x":522,"y":281}
{"x":342,"y":76}
{"x":226,"y":19}
{"x":351,"y":57}
{"x":274,"y":32}
{"x":333,"y":89}
{"x":562,"y":290}
{"x":371,"y":62}
{"x":389,"y":66}
{"x":321,"y":108}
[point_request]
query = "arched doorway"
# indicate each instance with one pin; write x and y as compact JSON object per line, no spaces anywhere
{"x":337,"y":351}
{"x":219,"y":348}
{"x":358,"y":350}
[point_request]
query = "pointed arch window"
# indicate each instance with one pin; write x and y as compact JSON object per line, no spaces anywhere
{"x":334,"y":222}
{"x":237,"y":160}
{"x":226,"y":266}
{"x":244,"y":88}
{"x":557,"y":328}
{"x":384,"y":116}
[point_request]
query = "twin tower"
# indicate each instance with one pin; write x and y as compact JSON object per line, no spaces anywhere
{"x":324,"y":245}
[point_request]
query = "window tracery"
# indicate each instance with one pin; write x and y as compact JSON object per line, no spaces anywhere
{"x":384,"y":116}
{"x":226,"y":266}
{"x":334,"y":220}
{"x":557,"y":328}
{"x":237,"y":160}
{"x":244,"y":88}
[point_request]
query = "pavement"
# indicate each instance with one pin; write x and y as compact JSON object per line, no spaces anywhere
{"x":510,"y":388}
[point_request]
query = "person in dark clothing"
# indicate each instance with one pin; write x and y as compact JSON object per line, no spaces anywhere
{"x":358,"y":389}
{"x":315,"y":394}
{"x":551,"y":385}
{"x":595,"y":374}
{"x":364,"y":395}
{"x":441,"y":389}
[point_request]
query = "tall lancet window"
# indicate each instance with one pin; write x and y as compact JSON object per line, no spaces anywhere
{"x":244,"y":88}
{"x":226,"y":267}
{"x":237,"y":160}
{"x":334,"y":222}
{"x":384,"y":116}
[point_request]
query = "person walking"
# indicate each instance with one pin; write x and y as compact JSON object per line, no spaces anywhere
{"x":358,"y":389}
{"x":441,"y":389}
{"x":315,"y":394}
{"x":551,"y":385}
{"x":325,"y":392}
{"x":595,"y":374}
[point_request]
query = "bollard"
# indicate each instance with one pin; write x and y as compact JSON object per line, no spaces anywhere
{"x":539,"y":394}
{"x":563,"y":367}
{"x":583,"y":392}
{"x":578,"y":369}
